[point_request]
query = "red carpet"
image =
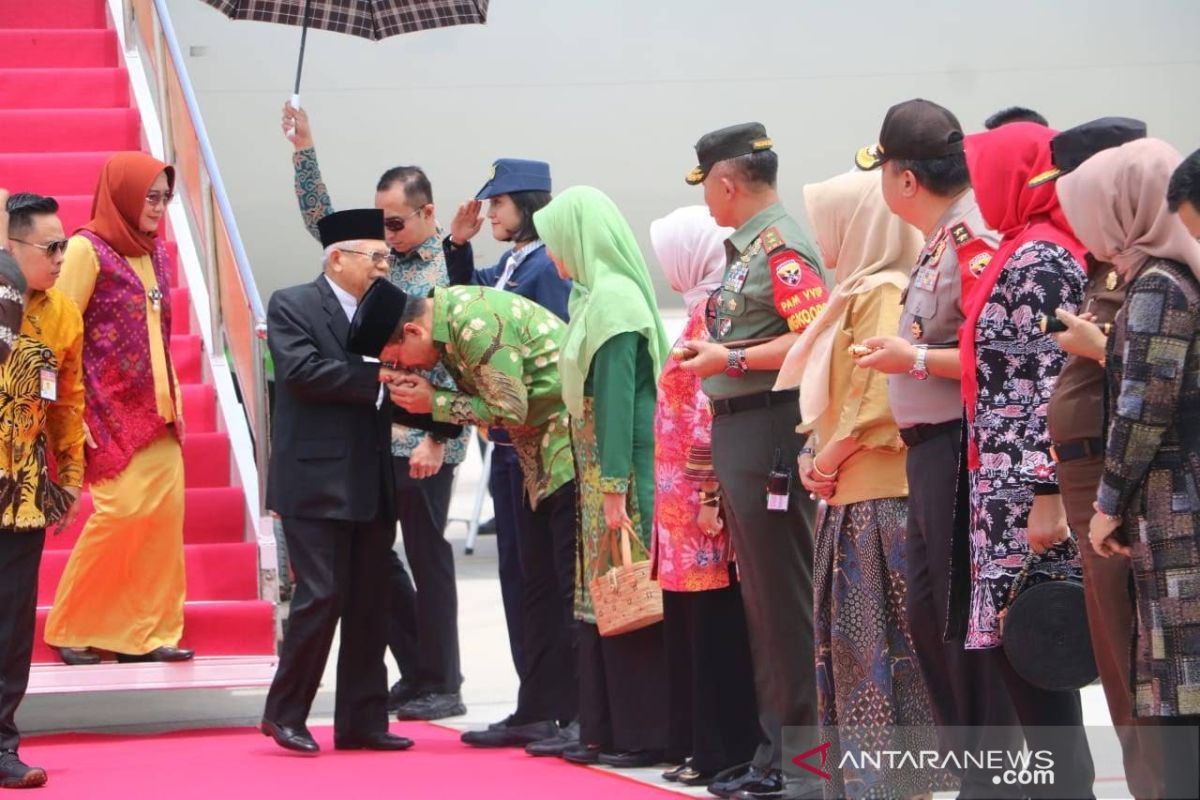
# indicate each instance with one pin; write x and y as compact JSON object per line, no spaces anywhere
{"x":238,"y":763}
{"x":64,"y":107}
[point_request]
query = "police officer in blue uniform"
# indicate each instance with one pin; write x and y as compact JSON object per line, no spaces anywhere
{"x":515,"y":189}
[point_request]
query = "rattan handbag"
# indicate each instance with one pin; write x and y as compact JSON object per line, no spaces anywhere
{"x":624,"y":597}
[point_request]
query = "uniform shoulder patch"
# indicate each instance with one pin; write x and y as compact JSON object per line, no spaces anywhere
{"x":961,"y":233}
{"x":798,"y":287}
{"x":772,"y":239}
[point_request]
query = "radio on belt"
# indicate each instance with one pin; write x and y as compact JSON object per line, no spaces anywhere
{"x":779,"y":484}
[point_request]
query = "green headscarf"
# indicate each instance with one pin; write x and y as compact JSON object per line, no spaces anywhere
{"x":611,"y":294}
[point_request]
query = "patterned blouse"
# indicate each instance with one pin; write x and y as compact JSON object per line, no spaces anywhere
{"x":41,"y":413}
{"x":684,"y":558}
{"x":417,"y":272}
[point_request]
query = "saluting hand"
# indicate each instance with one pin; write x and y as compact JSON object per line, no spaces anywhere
{"x":467,"y":222}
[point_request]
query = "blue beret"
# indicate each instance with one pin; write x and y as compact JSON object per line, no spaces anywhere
{"x":516,"y":175}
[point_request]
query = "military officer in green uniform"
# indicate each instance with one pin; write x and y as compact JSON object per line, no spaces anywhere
{"x":773,"y":288}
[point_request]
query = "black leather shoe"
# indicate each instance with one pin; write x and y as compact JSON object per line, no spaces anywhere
{"x":555,"y":745}
{"x":374,"y":741}
{"x":16,"y":774}
{"x":297,"y":739}
{"x":164,"y":653}
{"x":728,"y":781}
{"x":632,"y":759}
{"x":690,"y":776}
{"x":78,"y":656}
{"x":431,"y":707}
{"x":673,"y":773}
{"x":399,"y":694}
{"x":511,"y":735}
{"x":769,"y":786}
{"x":580,"y":753}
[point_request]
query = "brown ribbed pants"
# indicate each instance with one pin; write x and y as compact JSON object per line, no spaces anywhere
{"x":1110,"y":609}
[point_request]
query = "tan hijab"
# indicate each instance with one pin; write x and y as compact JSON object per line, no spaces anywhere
{"x":1117,"y":204}
{"x":866,"y":246}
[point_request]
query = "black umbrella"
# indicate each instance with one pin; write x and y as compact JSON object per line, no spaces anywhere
{"x":370,"y":19}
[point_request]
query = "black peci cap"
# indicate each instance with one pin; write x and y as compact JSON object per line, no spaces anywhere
{"x":350,"y":226}
{"x":376,"y":319}
{"x":731,"y":142}
{"x":913,"y":130}
{"x":1076,"y":145}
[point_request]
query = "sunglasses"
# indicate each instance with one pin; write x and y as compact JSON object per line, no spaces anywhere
{"x":396,"y":224}
{"x":160,"y":198}
{"x":378,"y":257}
{"x":52,"y":248}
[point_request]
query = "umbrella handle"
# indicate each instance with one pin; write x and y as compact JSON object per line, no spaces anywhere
{"x":290,"y":133}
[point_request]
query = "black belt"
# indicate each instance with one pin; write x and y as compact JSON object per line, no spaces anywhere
{"x":919,"y":434}
{"x":750,"y":402}
{"x":1076,"y":449}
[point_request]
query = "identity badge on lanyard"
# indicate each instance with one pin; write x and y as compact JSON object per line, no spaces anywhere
{"x":48,"y":378}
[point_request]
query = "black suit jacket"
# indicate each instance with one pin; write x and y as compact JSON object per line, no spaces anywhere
{"x":330,"y":446}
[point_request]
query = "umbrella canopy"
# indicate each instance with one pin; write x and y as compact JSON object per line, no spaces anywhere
{"x":370,"y":19}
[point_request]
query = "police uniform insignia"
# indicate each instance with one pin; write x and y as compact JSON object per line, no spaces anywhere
{"x":917,"y":329}
{"x":731,"y":303}
{"x":926,"y":279}
{"x":936,"y":258}
{"x":979,"y":263}
{"x":1110,"y":282}
{"x":790,"y":272}
{"x":724,"y":325}
{"x":961,"y":233}
{"x":771,"y":240}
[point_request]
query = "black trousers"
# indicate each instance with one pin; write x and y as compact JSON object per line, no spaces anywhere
{"x":339,"y":568}
{"x":549,"y":689}
{"x":1180,"y":737}
{"x":965,"y":686}
{"x":512,"y":516}
{"x":424,"y":627}
{"x":20,"y":555}
{"x":623,"y":689}
{"x":775,"y":552}
{"x":710,"y":680}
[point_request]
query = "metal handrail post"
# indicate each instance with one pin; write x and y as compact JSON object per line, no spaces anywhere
{"x":262,"y":424}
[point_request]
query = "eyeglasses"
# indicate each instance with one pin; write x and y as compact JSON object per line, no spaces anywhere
{"x":378,"y":257}
{"x":396,"y":224}
{"x":52,"y":249}
{"x":159,"y":198}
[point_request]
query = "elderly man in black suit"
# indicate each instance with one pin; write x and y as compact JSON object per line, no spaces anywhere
{"x":331,"y":482}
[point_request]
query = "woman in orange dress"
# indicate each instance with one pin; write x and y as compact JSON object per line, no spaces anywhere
{"x":123,"y":588}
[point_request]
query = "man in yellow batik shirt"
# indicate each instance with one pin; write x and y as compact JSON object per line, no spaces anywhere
{"x":41,"y":419}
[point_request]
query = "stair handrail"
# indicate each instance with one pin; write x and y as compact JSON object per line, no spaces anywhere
{"x":237,"y":316}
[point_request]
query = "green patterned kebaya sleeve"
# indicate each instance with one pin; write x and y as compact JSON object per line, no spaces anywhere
{"x":614,"y":369}
{"x":310,"y":190}
{"x":486,"y":347}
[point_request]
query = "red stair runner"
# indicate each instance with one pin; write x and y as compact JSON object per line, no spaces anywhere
{"x":65,"y":106}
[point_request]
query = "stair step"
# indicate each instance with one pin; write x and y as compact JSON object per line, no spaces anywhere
{"x":219,"y":628}
{"x":186,"y":356}
{"x":206,"y":460}
{"x":181,"y":311}
{"x":53,"y":173}
{"x":68,"y":87}
{"x":56,"y":14}
{"x":58,"y":130}
{"x":211,"y":515}
{"x":42,"y":48}
{"x":214,"y":572}
{"x":199,"y":408}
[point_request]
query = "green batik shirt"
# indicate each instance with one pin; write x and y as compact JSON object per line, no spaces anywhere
{"x":502,"y":351}
{"x":416,"y":272}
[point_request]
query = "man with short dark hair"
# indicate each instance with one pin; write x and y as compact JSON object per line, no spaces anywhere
{"x":424,"y":631}
{"x":1183,"y":193}
{"x":773,"y":288}
{"x":926,"y":184}
{"x":1014,"y":114}
{"x":41,"y":394}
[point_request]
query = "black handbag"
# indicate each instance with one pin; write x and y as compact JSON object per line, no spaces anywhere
{"x":1045,"y":633}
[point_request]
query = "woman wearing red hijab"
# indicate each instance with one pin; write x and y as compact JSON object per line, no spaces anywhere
{"x":1009,"y":370}
{"x":123,"y":588}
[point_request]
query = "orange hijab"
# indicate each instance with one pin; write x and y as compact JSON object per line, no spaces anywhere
{"x":120,"y":198}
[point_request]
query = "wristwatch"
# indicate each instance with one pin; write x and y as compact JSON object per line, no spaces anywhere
{"x":918,"y":370}
{"x":735,"y":363}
